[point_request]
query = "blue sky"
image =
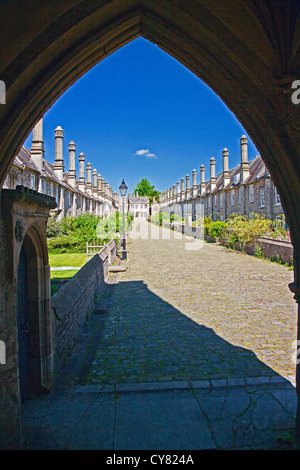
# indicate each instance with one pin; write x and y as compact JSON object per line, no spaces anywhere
{"x":140,"y":113}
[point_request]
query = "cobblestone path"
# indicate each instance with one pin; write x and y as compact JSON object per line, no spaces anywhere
{"x":212,"y":313}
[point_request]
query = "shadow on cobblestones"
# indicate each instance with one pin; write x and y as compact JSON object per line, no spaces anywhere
{"x":147,"y":339}
{"x":160,"y":380}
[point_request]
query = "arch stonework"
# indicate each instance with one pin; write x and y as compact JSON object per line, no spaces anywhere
{"x":23,"y":223}
{"x":247,"y":51}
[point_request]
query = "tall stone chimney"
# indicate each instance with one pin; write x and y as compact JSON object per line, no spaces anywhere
{"x":194,"y":183}
{"x":226,"y":178}
{"x":94,"y":188}
{"x":59,"y":157}
{"x":182,"y":188}
{"x":187,"y":186}
{"x":99,"y":179}
{"x":81,"y":183}
{"x":245,"y":171}
{"x":37,"y":147}
{"x":72,"y":169}
{"x":212,"y":174}
{"x":89,"y":178}
{"x":202,"y":180}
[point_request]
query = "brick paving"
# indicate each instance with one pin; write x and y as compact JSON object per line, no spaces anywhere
{"x":182,"y":315}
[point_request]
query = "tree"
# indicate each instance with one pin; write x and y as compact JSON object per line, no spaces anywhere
{"x":145,"y":188}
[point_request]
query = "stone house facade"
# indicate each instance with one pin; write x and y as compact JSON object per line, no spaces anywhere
{"x":74,"y":196}
{"x":246,"y":189}
{"x":139,"y":207}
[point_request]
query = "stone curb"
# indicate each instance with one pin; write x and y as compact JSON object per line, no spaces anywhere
{"x":184,"y":385}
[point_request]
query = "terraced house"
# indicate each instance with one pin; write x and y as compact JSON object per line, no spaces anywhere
{"x":73,"y":196}
{"x":245,"y":190}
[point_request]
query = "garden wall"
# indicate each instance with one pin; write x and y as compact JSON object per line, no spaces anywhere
{"x":76,"y":299}
{"x":270,"y":248}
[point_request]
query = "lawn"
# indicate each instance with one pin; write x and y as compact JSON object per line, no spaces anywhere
{"x":67,"y":259}
{"x":63,"y":274}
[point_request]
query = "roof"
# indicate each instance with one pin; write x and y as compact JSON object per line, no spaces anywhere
{"x":143,"y":199}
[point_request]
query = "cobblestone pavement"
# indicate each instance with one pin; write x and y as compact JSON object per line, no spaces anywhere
{"x":208,"y":314}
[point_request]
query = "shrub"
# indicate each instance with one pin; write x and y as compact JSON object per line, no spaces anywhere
{"x":217,"y":228}
{"x":243,"y":230}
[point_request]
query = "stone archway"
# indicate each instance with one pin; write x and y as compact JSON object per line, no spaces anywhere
{"x":247,"y":51}
{"x":24,"y":221}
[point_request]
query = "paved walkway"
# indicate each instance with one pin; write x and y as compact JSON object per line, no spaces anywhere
{"x":195,"y":353}
{"x":211,"y":313}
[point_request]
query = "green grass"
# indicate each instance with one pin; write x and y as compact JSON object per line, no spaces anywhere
{"x":67,"y":259}
{"x":63,"y":274}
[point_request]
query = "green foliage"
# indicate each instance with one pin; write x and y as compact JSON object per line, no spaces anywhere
{"x":53,"y":228}
{"x":174,"y":217}
{"x":217,"y":229}
{"x":145,"y":188}
{"x":242,"y":230}
{"x":158,"y":219}
{"x":75,"y":232}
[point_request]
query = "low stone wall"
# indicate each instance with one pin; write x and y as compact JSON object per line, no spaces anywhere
{"x":76,"y":299}
{"x":190,"y":230}
{"x":270,"y":248}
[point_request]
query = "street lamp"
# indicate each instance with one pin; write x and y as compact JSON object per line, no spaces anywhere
{"x":123,"y":190}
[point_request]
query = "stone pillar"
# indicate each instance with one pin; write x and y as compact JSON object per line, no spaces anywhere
{"x":59,"y":157}
{"x":89,"y":178}
{"x":37,"y":147}
{"x":212,"y":174}
{"x":81,"y":183}
{"x":226,"y":178}
{"x":245,"y":172}
{"x":72,"y":169}
{"x":202,"y":181}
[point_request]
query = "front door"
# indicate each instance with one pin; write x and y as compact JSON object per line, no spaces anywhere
{"x":23,"y":328}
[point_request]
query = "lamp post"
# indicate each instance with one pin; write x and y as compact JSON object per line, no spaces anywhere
{"x":123,"y":190}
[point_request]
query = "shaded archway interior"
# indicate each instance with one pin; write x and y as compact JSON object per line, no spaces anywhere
{"x":232,"y":47}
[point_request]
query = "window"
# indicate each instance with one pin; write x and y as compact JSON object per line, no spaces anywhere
{"x":32,"y":181}
{"x":52,"y":189}
{"x":262,"y":197}
{"x":251,"y":193}
{"x":236,"y":178}
{"x":44,"y":186}
{"x":215,"y":199}
{"x":232,"y":197}
{"x":221,"y":200}
{"x":277,"y":201}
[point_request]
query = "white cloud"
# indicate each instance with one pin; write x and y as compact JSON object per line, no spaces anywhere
{"x":145,"y":153}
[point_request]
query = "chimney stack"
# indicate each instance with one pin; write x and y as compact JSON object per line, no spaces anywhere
{"x":212,"y":174}
{"x":37,"y":147}
{"x":94,"y":189}
{"x":59,"y":158}
{"x":202,"y":181}
{"x":72,"y":170}
{"x":81,"y":183}
{"x":226,"y":178}
{"x":245,"y":171}
{"x":194,"y":183}
{"x":89,"y":178}
{"x":99,"y":186}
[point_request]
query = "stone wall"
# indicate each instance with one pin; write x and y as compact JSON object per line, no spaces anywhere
{"x":76,"y":300}
{"x":270,"y":248}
